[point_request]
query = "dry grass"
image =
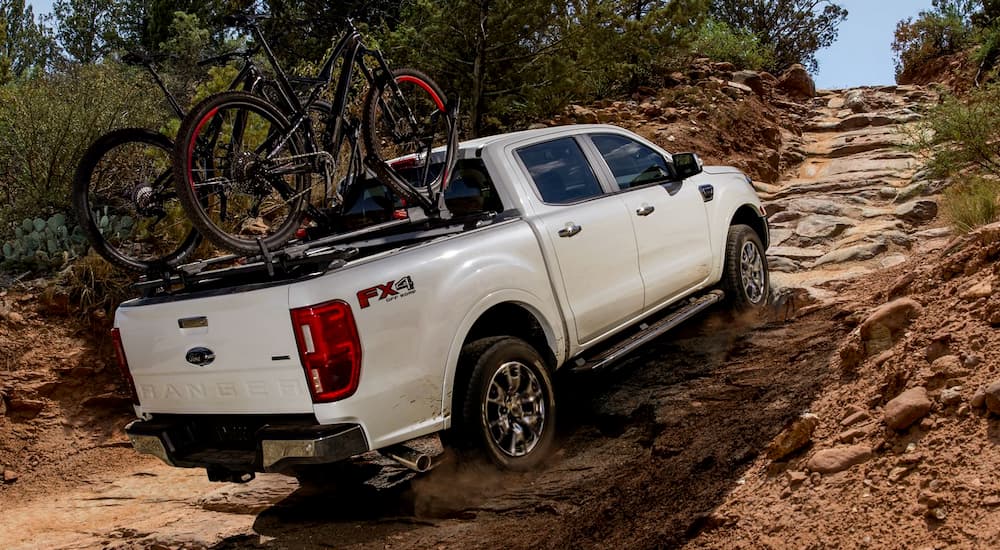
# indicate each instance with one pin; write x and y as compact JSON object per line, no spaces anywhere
{"x":90,"y":285}
{"x":972,"y":203}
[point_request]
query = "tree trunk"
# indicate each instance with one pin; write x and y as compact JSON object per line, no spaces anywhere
{"x":478,"y":70}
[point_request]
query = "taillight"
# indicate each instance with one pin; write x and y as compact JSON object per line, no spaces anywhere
{"x":329,"y":348}
{"x":400,"y":214}
{"x":413,"y":161}
{"x":116,"y":338}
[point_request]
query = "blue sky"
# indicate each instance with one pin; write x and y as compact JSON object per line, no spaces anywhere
{"x":860,"y":56}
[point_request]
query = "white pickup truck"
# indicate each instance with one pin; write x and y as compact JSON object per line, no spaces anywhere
{"x":568,"y":247}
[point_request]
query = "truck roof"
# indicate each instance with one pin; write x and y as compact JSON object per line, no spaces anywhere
{"x":524,"y":135}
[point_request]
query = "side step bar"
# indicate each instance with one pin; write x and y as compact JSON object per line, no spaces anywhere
{"x":648,"y":332}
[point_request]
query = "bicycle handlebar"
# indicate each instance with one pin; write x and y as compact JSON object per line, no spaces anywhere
{"x":223,"y":58}
{"x":244,"y":19}
{"x":142,"y":58}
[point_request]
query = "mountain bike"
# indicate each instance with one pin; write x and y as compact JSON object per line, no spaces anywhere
{"x":123,"y":192}
{"x":251,"y":172}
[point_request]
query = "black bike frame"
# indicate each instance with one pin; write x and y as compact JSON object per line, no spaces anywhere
{"x":249,"y":76}
{"x":352,"y":51}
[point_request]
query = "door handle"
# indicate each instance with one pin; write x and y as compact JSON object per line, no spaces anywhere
{"x":570,"y":230}
{"x":646,"y":210}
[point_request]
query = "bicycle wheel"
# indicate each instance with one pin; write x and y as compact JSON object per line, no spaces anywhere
{"x":126,"y":204}
{"x":242,"y":174}
{"x":406,"y":123}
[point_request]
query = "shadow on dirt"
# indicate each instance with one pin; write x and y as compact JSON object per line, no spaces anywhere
{"x":648,"y":452}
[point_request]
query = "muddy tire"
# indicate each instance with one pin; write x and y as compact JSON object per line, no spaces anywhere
{"x":745,"y":278}
{"x":506,"y":409}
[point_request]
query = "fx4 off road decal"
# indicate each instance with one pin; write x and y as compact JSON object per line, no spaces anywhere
{"x":387,"y":292}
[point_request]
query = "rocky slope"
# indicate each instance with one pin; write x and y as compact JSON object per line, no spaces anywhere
{"x":900,"y":448}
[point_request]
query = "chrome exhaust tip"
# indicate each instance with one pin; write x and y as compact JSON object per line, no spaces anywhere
{"x":420,"y":454}
{"x":413,"y":459}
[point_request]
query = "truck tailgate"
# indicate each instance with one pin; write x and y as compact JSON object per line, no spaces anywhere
{"x":230,"y":353}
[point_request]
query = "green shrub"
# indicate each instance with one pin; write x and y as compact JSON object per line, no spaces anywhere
{"x":47,"y":122}
{"x":970,"y":204}
{"x":987,"y":50}
{"x":960,"y":134}
{"x":941,"y":31}
{"x":742,"y":48}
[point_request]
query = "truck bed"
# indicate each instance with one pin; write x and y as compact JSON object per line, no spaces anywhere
{"x":299,"y":259}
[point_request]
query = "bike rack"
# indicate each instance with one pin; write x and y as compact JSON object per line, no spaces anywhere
{"x":302,"y":259}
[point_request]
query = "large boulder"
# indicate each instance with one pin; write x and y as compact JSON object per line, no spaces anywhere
{"x":751,"y":79}
{"x":797,"y":82}
{"x":855,"y":101}
{"x":917,"y":212}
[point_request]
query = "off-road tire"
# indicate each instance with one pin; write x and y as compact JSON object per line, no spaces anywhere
{"x":745,"y":279}
{"x":481,"y":361}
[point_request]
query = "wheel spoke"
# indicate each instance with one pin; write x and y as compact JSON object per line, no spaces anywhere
{"x":514,"y":409}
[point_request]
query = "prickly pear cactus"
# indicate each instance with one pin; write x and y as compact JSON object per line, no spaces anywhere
{"x":44,"y":244}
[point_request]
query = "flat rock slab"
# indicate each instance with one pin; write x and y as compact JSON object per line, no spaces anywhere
{"x":857,"y":166}
{"x":779,"y":235}
{"x":826,"y":207}
{"x":819,"y":226}
{"x":856,"y":253}
{"x":794,"y":252}
{"x":784,"y":265}
{"x":863,"y":120}
{"x":857,"y":142}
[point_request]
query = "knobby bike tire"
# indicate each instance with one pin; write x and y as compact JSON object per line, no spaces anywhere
{"x":89,"y":218}
{"x":372,"y":131}
{"x":196,"y":203}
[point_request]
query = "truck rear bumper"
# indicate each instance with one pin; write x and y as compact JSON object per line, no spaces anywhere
{"x":238,"y":444}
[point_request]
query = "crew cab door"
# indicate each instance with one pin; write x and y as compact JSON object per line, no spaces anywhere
{"x":588,"y":231}
{"x":669,"y":217}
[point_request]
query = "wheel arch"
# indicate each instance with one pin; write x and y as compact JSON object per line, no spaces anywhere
{"x":748,"y":214}
{"x":508,"y":315}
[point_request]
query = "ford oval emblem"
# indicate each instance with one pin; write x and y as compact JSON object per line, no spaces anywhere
{"x":200,"y":357}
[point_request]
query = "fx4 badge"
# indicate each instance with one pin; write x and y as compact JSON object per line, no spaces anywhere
{"x":387,"y":292}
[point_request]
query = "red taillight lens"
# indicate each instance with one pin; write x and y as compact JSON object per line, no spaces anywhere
{"x":329,"y":348}
{"x":407,"y":162}
{"x":400,"y":214}
{"x":116,"y":338}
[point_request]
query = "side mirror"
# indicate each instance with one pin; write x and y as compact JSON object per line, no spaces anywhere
{"x":687,"y":165}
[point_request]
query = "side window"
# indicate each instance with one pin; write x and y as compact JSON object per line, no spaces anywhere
{"x":560,"y":171}
{"x":471,"y":190}
{"x":632,"y":163}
